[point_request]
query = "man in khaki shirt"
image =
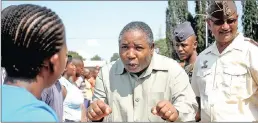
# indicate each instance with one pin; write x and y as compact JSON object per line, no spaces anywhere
{"x":225,"y":76}
{"x":142,"y":85}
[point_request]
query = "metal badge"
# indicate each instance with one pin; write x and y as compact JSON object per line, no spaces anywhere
{"x":205,"y":64}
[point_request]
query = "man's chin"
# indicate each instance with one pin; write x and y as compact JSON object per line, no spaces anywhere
{"x":182,"y":58}
{"x":135,"y":70}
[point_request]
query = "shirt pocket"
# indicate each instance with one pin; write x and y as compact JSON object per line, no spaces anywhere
{"x":205,"y":79}
{"x":235,"y":81}
{"x":153,"y":99}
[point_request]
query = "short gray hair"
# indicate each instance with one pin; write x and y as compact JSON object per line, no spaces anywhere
{"x":138,"y":25}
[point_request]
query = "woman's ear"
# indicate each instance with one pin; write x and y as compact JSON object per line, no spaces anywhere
{"x":53,"y":62}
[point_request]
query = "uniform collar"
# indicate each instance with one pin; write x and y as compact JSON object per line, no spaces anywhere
{"x":235,"y":45}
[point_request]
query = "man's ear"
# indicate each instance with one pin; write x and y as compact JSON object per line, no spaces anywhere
{"x":195,"y":45}
{"x":208,"y":21}
{"x":152,"y":46}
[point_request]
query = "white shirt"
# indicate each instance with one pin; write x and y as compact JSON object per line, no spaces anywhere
{"x":79,"y":81}
{"x":227,"y":82}
{"x":73,"y":101}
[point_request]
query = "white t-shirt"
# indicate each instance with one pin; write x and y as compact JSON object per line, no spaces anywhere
{"x":79,"y":82}
{"x":73,"y":100}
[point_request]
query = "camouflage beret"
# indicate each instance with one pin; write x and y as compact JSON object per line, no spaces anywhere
{"x":222,"y":9}
{"x":183,"y":31}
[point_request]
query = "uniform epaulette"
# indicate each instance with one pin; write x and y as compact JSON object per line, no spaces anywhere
{"x":251,"y":41}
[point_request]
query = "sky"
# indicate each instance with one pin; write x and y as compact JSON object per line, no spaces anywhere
{"x":92,"y":27}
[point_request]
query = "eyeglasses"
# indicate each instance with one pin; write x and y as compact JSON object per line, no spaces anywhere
{"x":221,"y":22}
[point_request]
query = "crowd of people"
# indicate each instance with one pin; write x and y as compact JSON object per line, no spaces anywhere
{"x":219,"y":84}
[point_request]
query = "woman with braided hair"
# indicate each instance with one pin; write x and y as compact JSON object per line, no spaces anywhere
{"x":34,"y":56}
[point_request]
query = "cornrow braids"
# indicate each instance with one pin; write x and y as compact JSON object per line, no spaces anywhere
{"x":30,"y":34}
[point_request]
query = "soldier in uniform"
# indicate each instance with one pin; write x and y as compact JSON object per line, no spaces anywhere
{"x":225,"y":75}
{"x":185,"y":45}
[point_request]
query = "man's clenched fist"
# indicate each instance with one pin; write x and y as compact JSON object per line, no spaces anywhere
{"x":98,"y":110}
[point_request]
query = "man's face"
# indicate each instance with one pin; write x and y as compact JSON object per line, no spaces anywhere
{"x":135,"y":51}
{"x":224,"y":30}
{"x":86,"y":73}
{"x":79,"y":69}
{"x":186,"y":48}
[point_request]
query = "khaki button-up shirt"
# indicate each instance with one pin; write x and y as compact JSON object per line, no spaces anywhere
{"x":227,"y":82}
{"x":131,"y":98}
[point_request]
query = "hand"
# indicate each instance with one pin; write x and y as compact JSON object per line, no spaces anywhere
{"x":98,"y":110}
{"x":198,"y":116}
{"x":165,"y":110}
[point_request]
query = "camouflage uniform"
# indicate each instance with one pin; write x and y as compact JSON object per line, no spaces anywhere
{"x":189,"y":70}
{"x":182,"y":32}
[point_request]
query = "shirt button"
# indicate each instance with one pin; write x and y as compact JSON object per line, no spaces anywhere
{"x":137,"y":100}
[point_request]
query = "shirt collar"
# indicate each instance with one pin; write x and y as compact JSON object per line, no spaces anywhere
{"x":157,"y":63}
{"x":236,"y":44}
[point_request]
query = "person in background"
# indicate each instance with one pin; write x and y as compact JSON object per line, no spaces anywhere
{"x":185,"y":46}
{"x":74,"y":110}
{"x":53,"y":96}
{"x":87,"y":90}
{"x":79,"y":70}
{"x":92,"y":79}
{"x":33,"y":48}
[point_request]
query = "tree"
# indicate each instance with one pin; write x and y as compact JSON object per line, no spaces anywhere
{"x":96,"y":58}
{"x":162,"y":46}
{"x":211,"y":39}
{"x":75,"y":55}
{"x":250,"y":19}
{"x":200,"y":28}
{"x":176,"y":13}
{"x":114,"y":57}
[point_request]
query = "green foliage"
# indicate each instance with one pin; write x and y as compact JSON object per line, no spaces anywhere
{"x":162,"y":46}
{"x":96,"y":58}
{"x":176,"y":13}
{"x":250,"y":19}
{"x":75,"y":55}
{"x":211,"y":39}
{"x":200,"y":27}
{"x":114,"y":57}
